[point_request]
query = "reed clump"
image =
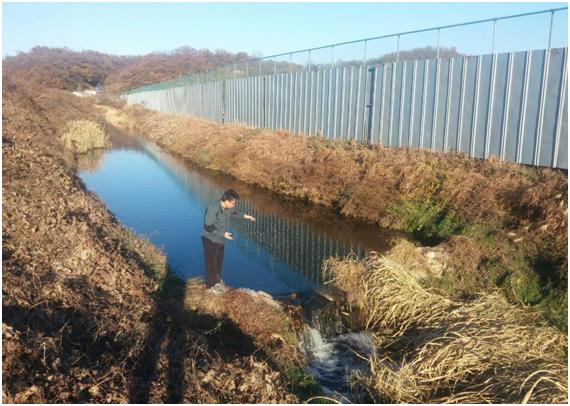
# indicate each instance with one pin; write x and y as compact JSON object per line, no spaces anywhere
{"x":434,"y":349}
{"x":84,"y":135}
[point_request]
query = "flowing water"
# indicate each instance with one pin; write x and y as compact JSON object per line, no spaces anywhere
{"x":163,"y":197}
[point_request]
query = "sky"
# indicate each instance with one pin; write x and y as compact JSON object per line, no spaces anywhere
{"x":264,"y":29}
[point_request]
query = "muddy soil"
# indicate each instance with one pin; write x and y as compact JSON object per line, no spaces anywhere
{"x":90,"y":313}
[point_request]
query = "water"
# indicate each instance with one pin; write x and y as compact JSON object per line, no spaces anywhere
{"x":333,"y":360}
{"x":161,"y":196}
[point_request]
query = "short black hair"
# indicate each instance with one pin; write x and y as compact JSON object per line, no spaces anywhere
{"x":230,"y":194}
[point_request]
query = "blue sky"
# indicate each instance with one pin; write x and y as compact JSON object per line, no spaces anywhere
{"x":269,"y":28}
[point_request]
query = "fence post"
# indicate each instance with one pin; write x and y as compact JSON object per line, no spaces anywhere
{"x":550,"y":29}
{"x":437,"y":48}
{"x":371,"y":87}
{"x":493,"y":40}
{"x":223,"y":101}
{"x":263,"y":97}
{"x":398,"y":49}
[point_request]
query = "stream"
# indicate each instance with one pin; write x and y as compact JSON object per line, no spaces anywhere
{"x":162,"y":196}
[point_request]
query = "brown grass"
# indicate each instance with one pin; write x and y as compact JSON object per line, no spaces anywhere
{"x":406,"y":252}
{"x":83,"y":136}
{"x":432,"y":349}
{"x":75,"y":302}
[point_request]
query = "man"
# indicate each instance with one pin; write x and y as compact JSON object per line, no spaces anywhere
{"x":216,"y":219}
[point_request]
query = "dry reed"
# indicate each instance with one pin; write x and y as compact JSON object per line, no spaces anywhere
{"x":84,"y":135}
{"x":438,"y":350}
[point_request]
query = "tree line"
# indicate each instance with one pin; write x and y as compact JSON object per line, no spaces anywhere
{"x":66,"y":69}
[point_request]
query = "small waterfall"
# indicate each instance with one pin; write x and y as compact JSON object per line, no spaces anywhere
{"x":333,"y":360}
{"x":333,"y":352}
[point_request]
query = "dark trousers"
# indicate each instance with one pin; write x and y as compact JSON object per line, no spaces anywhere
{"x":213,"y":257}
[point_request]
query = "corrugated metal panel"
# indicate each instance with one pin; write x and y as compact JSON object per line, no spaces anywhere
{"x":512,"y":106}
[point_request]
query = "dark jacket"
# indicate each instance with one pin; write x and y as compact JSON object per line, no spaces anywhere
{"x":216,"y":221}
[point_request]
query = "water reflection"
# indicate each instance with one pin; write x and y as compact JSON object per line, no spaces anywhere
{"x":89,"y":161}
{"x":293,"y":241}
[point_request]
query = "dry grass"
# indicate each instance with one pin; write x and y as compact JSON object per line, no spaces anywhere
{"x":406,"y":252}
{"x":432,"y":349}
{"x":84,"y":135}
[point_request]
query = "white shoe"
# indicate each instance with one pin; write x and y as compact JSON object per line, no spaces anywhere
{"x":218,"y":288}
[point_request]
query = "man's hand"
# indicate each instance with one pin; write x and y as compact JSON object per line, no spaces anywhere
{"x":228,"y":236}
{"x":248,"y":217}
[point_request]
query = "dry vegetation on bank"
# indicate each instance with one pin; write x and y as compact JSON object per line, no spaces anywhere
{"x":83,"y":136}
{"x":503,"y":225}
{"x":88,"y":314}
{"x":432,"y":349}
{"x":69,"y":292}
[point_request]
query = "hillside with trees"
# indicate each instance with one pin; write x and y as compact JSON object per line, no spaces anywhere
{"x":159,"y":66}
{"x":65,"y":69}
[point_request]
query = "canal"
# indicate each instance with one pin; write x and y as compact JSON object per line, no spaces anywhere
{"x":164,"y":198}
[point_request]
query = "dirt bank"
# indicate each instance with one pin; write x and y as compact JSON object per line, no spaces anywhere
{"x":90,"y":313}
{"x":502,"y":225}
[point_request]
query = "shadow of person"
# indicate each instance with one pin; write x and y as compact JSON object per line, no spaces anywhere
{"x":170,"y":295}
{"x":173,"y":335}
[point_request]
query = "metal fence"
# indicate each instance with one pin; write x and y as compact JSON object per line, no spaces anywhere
{"x":547,"y":29}
{"x":513,"y":106}
{"x":510,"y":105}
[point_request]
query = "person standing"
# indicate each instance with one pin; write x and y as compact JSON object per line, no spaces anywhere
{"x":216,"y":220}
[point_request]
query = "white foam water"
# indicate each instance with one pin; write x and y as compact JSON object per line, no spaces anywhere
{"x":334,"y":359}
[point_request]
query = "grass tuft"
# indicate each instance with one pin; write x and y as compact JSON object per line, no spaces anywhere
{"x":84,"y":135}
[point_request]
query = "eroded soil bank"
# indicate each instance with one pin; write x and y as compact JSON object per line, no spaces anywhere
{"x":90,"y":313}
{"x":491,"y":224}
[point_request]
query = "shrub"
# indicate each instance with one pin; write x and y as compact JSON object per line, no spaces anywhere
{"x":84,"y":135}
{"x":526,"y":287}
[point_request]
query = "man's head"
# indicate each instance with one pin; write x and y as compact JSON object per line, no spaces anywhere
{"x":229,"y":199}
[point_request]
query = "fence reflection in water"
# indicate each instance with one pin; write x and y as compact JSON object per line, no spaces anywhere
{"x":297,"y":244}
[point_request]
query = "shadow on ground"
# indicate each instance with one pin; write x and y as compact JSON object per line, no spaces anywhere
{"x":193,"y":357}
